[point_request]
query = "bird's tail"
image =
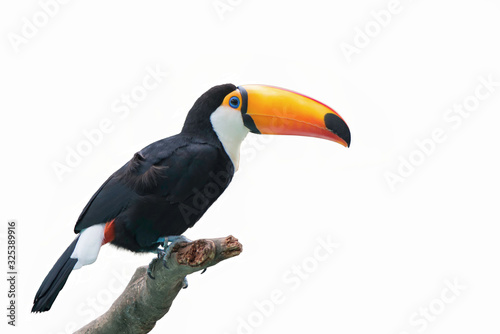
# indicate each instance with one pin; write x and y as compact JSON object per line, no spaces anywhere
{"x":55,"y":280}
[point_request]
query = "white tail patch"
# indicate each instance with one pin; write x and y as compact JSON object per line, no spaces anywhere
{"x":88,"y":245}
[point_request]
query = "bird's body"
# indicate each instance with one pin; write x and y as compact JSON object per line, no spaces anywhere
{"x":167,"y":186}
{"x":163,"y":190}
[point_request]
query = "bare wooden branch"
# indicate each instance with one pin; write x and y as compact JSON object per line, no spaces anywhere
{"x":145,"y":301}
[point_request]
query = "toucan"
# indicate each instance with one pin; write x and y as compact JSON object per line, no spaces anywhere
{"x":167,"y":186}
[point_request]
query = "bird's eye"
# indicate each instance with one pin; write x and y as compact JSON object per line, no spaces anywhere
{"x":234,"y":102}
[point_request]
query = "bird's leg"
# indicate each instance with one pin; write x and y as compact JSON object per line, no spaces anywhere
{"x":175,"y":239}
{"x":169,"y":244}
{"x":160,"y":253}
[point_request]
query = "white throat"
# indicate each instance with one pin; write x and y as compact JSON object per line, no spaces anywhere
{"x":228,"y":125}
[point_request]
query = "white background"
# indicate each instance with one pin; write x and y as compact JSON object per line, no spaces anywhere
{"x":397,"y":247}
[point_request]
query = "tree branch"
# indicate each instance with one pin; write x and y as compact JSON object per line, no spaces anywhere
{"x":145,"y":301}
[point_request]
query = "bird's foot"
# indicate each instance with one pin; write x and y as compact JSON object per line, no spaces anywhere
{"x":160,"y":253}
{"x":168,"y":245}
{"x":150,"y":270}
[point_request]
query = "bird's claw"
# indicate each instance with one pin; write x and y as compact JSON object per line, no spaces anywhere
{"x":169,"y":244}
{"x":160,"y":253}
{"x":173,"y":240}
{"x":150,"y":271}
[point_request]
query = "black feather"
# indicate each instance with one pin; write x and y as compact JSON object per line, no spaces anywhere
{"x":163,"y":189}
{"x":55,"y":280}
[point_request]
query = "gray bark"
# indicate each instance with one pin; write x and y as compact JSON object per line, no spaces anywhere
{"x":145,"y":301}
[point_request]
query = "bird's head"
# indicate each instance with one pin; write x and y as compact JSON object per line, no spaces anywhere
{"x":231,"y":112}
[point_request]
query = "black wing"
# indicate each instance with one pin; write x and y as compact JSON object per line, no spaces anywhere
{"x":170,"y":168}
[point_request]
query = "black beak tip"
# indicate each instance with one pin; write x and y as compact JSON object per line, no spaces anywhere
{"x":337,"y":126}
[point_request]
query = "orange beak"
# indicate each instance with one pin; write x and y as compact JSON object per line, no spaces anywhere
{"x":272,"y":110}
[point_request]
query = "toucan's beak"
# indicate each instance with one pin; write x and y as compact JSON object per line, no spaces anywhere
{"x":272,"y":110}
